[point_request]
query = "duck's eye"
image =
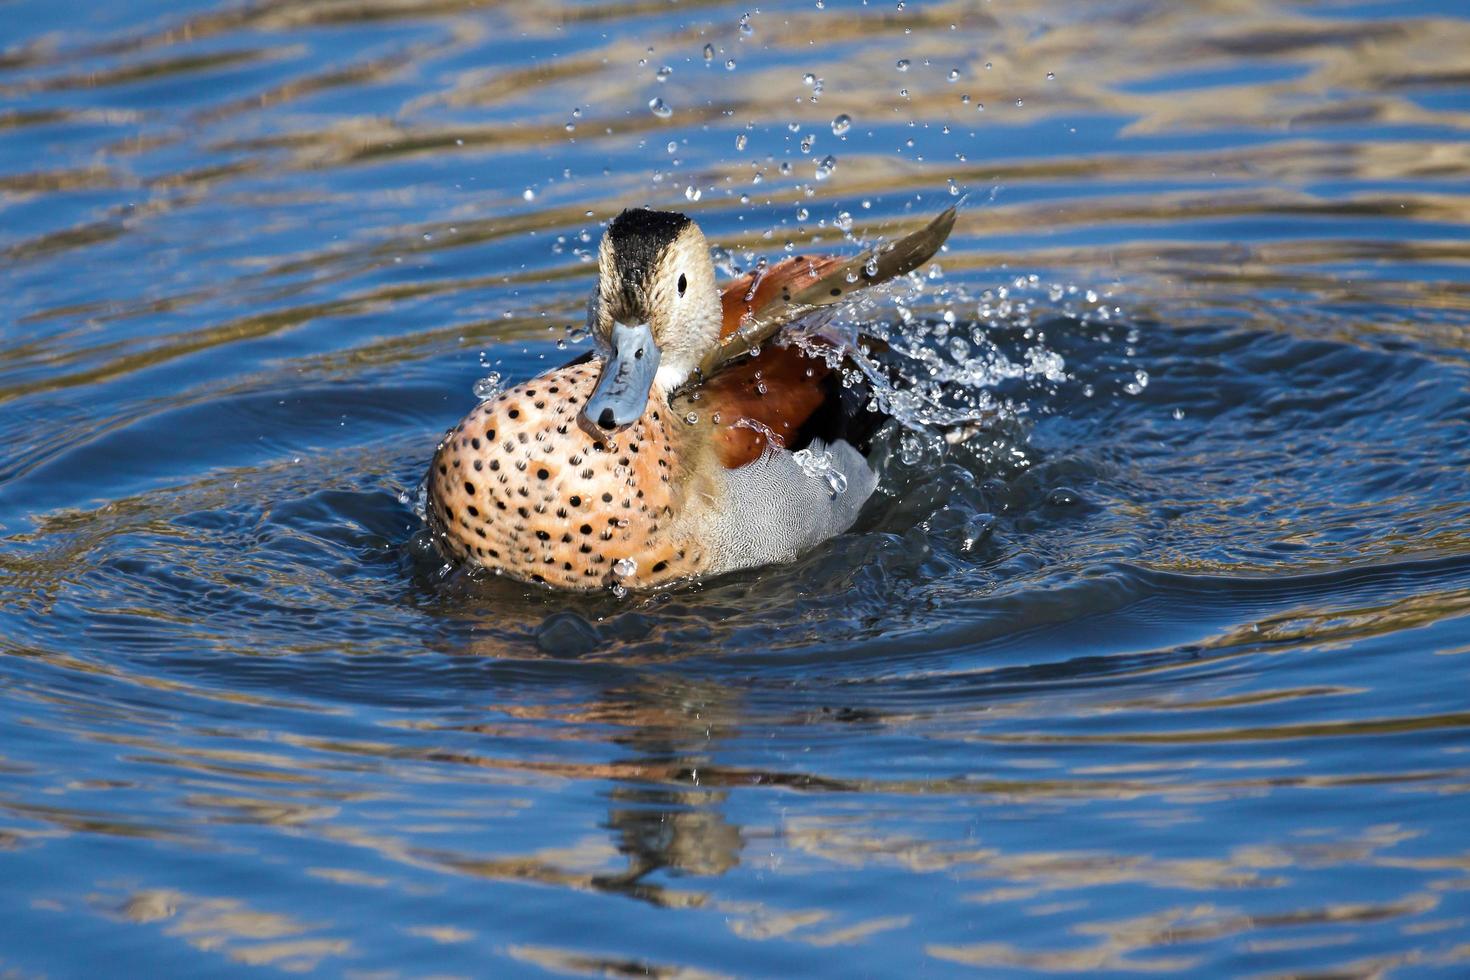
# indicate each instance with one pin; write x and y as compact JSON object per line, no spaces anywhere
{"x":683,"y":284}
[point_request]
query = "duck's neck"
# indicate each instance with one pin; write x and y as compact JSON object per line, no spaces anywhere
{"x":671,"y":376}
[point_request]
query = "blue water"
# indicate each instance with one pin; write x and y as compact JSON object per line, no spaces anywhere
{"x":1166,"y":671}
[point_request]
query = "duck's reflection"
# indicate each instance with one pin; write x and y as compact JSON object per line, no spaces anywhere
{"x":667,"y":800}
{"x":676,"y":824}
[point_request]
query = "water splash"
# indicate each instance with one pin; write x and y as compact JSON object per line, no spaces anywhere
{"x":821,"y":466}
{"x":489,"y":386}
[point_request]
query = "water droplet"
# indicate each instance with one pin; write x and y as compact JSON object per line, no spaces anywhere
{"x":1019,"y":103}
{"x":625,"y":567}
{"x":709,"y":52}
{"x":954,"y":75}
{"x":693,"y":193}
{"x":843,"y":221}
{"x":976,"y":530}
{"x":663,"y":73}
{"x":902,"y":64}
{"x":806,"y":143}
{"x":488,"y":386}
{"x":528,"y":194}
{"x":730,"y":64}
{"x":660,"y":108}
{"x":809,"y":79}
{"x":825,"y":168}
{"x":1051,"y":76}
{"x":692,"y":418}
{"x":841,"y":124}
{"x":745,"y":29}
{"x":739,"y":141}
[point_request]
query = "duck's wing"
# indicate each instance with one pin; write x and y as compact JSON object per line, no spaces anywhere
{"x":769,"y":398}
{"x":760,"y":303}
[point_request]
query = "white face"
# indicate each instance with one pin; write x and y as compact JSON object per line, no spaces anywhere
{"x":654,"y":269}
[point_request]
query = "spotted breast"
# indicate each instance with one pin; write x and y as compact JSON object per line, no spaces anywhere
{"x":519,"y":487}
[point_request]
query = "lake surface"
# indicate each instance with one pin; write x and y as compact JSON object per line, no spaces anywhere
{"x":1168,"y":668}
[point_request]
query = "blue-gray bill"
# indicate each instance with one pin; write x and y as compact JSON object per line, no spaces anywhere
{"x":622,"y":390}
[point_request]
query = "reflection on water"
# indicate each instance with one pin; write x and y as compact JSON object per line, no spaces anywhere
{"x":1162,"y":671}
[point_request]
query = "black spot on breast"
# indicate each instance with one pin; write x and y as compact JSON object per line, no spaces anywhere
{"x":542,"y":473}
{"x":514,"y":413}
{"x":660,"y":566}
{"x":469,"y":488}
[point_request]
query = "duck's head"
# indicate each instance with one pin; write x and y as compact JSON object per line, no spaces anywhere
{"x":656,"y":312}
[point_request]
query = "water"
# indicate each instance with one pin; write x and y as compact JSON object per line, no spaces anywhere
{"x":1165,"y":668}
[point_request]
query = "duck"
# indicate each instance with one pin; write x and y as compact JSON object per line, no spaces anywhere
{"x":699,"y":437}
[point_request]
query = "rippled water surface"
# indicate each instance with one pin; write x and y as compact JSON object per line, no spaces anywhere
{"x":1169,"y":668}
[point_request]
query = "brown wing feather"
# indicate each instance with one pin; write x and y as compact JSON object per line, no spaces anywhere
{"x":804,"y":285}
{"x":756,"y":293}
{"x":769,"y":396}
{"x":773,"y":394}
